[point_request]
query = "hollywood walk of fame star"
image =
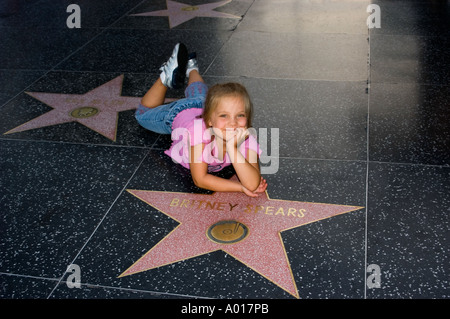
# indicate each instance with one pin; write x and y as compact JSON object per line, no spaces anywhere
{"x":179,"y":13}
{"x":249,"y":229}
{"x":97,"y":109}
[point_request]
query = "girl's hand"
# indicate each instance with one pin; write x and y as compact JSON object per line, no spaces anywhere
{"x":261,"y":189}
{"x":232,"y":138}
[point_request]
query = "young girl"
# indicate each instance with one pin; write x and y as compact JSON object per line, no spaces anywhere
{"x":209,"y":127}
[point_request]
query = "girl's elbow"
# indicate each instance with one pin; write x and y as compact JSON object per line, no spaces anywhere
{"x":198,"y":181}
{"x":251,"y":186}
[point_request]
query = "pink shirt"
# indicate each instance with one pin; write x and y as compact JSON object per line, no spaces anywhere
{"x":189,"y":129}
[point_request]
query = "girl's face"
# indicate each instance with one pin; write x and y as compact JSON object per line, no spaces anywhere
{"x":229,"y":114}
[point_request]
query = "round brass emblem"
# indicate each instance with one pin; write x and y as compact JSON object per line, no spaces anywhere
{"x":84,"y":112}
{"x":191,"y":8}
{"x":227,"y":232}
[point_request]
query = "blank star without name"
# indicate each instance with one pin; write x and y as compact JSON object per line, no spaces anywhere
{"x":255,"y":223}
{"x":97,"y":109}
{"x":179,"y":13}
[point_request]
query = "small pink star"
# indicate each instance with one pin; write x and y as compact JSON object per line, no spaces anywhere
{"x":249,"y":229}
{"x":98,"y":109}
{"x":179,"y":13}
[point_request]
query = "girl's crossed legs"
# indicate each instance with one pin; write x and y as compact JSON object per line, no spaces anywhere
{"x":156,"y":116}
{"x":156,"y":95}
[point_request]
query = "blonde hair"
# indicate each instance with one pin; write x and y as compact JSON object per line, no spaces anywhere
{"x":219,"y":91}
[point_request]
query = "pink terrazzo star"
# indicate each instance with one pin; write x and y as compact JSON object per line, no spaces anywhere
{"x":179,"y":13}
{"x":262,"y":249}
{"x":98,"y":109}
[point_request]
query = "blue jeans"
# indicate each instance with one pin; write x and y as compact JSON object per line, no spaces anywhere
{"x":160,"y":118}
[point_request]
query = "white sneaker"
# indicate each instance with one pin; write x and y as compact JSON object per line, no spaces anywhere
{"x":173,"y":72}
{"x":192,"y":63}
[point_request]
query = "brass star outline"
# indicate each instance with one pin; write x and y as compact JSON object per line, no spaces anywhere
{"x":97,"y":109}
{"x":180,"y":13}
{"x":266,"y":218}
